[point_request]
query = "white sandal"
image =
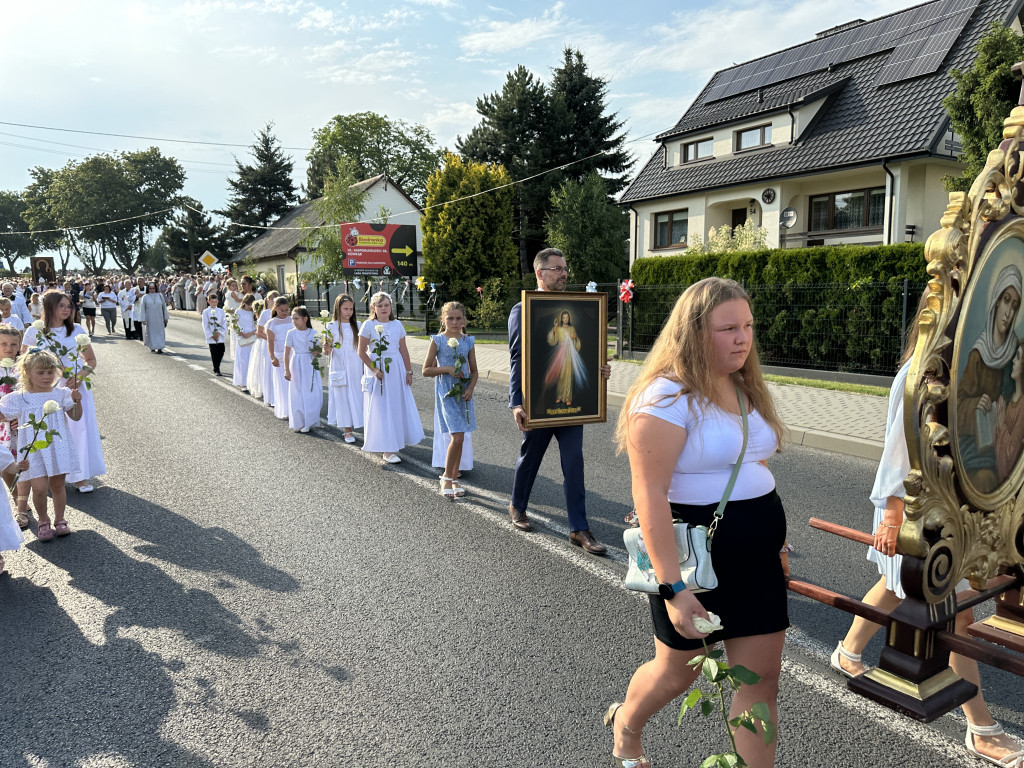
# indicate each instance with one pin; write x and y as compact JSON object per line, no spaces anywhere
{"x":1013,"y":760}
{"x":841,"y":651}
{"x":448,"y":493}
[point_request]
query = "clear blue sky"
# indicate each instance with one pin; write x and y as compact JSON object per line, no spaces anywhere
{"x":217,"y":70}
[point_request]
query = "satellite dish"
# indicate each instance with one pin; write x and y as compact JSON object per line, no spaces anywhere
{"x":787,"y":218}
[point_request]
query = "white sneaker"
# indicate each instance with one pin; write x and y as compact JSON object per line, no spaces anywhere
{"x":84,"y":488}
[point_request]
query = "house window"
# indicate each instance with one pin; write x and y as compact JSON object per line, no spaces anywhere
{"x":670,"y":229}
{"x":848,"y":210}
{"x":698,"y":150}
{"x":752,"y":138}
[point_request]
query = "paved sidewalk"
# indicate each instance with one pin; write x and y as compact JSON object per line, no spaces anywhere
{"x":843,"y":422}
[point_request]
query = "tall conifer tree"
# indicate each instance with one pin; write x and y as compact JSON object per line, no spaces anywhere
{"x":261,"y":193}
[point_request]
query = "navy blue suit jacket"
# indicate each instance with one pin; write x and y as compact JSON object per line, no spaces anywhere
{"x":515,"y":356}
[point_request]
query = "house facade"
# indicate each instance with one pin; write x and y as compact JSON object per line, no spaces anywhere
{"x":279,"y":250}
{"x":839,"y":140}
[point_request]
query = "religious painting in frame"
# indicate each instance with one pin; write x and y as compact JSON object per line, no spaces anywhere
{"x":564,"y":344}
{"x":987,"y":387}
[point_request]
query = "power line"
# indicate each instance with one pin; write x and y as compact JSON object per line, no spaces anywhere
{"x":143,"y":138}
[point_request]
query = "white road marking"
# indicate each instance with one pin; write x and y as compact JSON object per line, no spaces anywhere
{"x":195,"y":367}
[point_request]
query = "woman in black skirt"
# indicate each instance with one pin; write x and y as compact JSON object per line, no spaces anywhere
{"x":682,"y":430}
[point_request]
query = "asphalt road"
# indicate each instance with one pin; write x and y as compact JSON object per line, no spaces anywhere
{"x":238,"y":595}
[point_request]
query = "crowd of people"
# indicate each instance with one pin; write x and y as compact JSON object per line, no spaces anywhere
{"x":699,"y":426}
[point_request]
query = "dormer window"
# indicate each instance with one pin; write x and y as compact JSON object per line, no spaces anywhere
{"x":698,"y":150}
{"x":754,"y":138}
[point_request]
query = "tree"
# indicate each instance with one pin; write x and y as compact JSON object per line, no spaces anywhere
{"x":375,"y":144}
{"x":592,"y":134}
{"x":261,"y":193}
{"x":14,"y":246}
{"x":984,"y":96}
{"x":342,"y":202}
{"x":544,"y":135}
{"x":517,"y":131}
{"x":590,"y":230}
{"x":190,"y":234}
{"x":467,"y":242}
{"x":42,"y":218}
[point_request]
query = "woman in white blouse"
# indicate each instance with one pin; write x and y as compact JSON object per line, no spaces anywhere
{"x":682,"y":428}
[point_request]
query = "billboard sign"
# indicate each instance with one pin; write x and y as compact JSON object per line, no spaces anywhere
{"x":387,"y":250}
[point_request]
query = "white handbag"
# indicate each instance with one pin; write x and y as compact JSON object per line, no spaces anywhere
{"x":337,"y":378}
{"x":368,"y":381}
{"x":693,"y":542}
{"x":245,"y":341}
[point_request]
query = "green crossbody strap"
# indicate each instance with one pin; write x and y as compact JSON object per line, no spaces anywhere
{"x":720,"y":512}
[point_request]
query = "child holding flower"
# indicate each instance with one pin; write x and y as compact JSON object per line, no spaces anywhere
{"x":44,"y":437}
{"x":215,"y":328}
{"x":277,"y":330}
{"x":305,"y":392}
{"x":10,"y":346}
{"x":58,"y":333}
{"x":244,"y":329}
{"x":344,"y":394}
{"x":451,"y":360}
{"x":389,"y":408}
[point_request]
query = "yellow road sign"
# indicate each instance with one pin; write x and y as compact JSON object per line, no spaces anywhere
{"x":208,"y":259}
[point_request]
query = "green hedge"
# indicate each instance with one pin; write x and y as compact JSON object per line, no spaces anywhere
{"x":833,"y":308}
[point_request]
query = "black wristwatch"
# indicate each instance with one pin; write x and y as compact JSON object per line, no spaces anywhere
{"x":668,"y":591}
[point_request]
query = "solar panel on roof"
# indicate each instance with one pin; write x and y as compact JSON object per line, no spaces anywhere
{"x":919,"y":37}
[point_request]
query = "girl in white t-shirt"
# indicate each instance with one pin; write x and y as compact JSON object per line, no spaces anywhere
{"x":682,"y":429}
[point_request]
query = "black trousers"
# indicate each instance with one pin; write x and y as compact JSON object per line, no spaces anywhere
{"x":216,"y":355}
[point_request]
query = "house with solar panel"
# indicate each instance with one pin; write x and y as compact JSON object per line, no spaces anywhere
{"x":842,"y":139}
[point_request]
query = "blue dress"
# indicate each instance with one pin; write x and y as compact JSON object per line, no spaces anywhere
{"x":454,"y":413}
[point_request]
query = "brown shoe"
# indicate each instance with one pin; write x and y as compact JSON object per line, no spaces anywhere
{"x":519,"y":519}
{"x":586,"y":540}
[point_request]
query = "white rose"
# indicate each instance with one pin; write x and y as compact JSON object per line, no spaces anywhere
{"x":6,"y":363}
{"x":83,"y":340}
{"x":38,"y":325}
{"x":453,"y":343}
{"x":50,"y":406}
{"x":378,"y":328}
{"x":324,"y":314}
{"x":711,"y":624}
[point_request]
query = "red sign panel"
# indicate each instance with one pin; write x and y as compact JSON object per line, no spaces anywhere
{"x":379,"y":249}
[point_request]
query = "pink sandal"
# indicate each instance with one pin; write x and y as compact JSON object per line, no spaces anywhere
{"x":61,"y":528}
{"x":44,"y":532}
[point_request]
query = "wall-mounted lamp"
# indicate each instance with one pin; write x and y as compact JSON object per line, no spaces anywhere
{"x":909,"y":231}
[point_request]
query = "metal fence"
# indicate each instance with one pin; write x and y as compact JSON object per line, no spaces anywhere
{"x":410,"y":303}
{"x":856,"y":328}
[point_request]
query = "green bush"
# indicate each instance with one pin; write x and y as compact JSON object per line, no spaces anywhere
{"x":828,"y":307}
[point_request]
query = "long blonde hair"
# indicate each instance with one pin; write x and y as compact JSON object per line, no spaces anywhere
{"x":683,"y":353}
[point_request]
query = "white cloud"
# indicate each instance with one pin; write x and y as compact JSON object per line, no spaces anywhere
{"x":435,"y":3}
{"x":385,"y":63}
{"x":504,"y":36}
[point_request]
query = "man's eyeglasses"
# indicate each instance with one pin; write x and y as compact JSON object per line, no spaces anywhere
{"x":559,"y":270}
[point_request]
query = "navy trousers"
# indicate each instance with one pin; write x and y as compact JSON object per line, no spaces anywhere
{"x":570,"y":449}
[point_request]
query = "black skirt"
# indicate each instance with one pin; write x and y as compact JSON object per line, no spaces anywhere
{"x":751,"y":594}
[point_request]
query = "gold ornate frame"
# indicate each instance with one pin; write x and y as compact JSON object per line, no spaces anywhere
{"x":954,"y":530}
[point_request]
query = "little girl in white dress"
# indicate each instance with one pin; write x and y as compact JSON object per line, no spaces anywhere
{"x":37,"y":400}
{"x":344,"y":393}
{"x":392,"y":420}
{"x":277,"y":330}
{"x":305,"y":390}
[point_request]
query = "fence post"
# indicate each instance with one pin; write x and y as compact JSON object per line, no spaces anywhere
{"x":631,"y":356}
{"x":621,"y":321}
{"x":903,"y":325}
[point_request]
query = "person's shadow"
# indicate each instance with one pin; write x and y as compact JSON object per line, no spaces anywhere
{"x":67,"y":699}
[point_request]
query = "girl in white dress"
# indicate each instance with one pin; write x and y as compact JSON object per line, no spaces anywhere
{"x":39,"y":370}
{"x":232,"y":301}
{"x":10,"y":348}
{"x":389,"y":408}
{"x":344,"y":391}
{"x":254,"y":375}
{"x":246,"y":337}
{"x":277,"y":330}
{"x":267,"y":369}
{"x":62,"y":339}
{"x":305,"y":391}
